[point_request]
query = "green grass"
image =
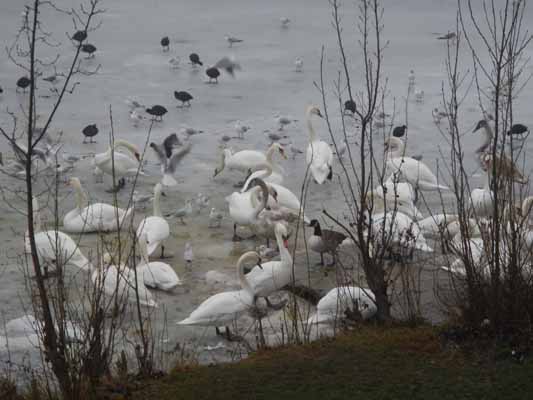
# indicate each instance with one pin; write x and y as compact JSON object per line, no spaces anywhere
{"x":377,"y":363}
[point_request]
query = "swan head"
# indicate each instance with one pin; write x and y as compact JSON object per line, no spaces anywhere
{"x":314,"y":110}
{"x":266,"y":189}
{"x":280,"y":149}
{"x":393,"y":144}
{"x":281,"y":230}
{"x":74,"y":182}
{"x":481,"y":124}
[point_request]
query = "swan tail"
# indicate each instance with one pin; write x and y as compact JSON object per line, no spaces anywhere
{"x":168,"y":180}
{"x":187,"y":321}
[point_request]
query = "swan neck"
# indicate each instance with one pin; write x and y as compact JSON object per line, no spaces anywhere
{"x":36,"y":216}
{"x":283,"y":251}
{"x":260,"y":206}
{"x":240,"y":271}
{"x":312,"y":133}
{"x":488,"y":138}
{"x":80,"y":198}
{"x":157,"y":203}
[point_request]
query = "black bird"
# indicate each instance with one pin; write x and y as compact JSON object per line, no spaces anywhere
{"x":165,"y":43}
{"x":399,"y":131}
{"x":79,"y":36}
{"x":23,"y":83}
{"x":195,"y":59}
{"x":349,"y":105}
{"x":212,"y":73}
{"x":89,"y":132}
{"x":157,"y":111}
{"x":89,"y":49}
{"x":518,"y":129}
{"x":1,"y":90}
{"x":184,"y":97}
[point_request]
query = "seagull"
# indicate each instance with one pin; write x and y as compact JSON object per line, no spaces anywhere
{"x":419,"y":95}
{"x":183,"y":212}
{"x":284,"y":22}
{"x":168,"y":145}
{"x":232,"y":39}
{"x":294,"y":150}
{"x":133,"y":103}
{"x":241,"y":129}
{"x":188,"y":255}
{"x":448,"y":36}
{"x":140,"y":199}
{"x":298,"y":64}
{"x":283,"y":121}
{"x":169,"y":164}
{"x":215,"y":218}
{"x":174,"y":62}
{"x":136,"y":118}
{"x":190,"y":131}
{"x":202,"y":201}
{"x":228,"y":64}
{"x":165,"y":43}
{"x":439,"y":115}
{"x":275,"y":136}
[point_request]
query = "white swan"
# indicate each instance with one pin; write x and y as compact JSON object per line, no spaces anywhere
{"x":245,"y":207}
{"x":435,"y":225}
{"x":155,"y":228}
{"x":156,"y":274}
{"x":415,"y":172}
{"x":399,"y":196}
{"x":333,"y":306}
{"x":247,"y":161}
{"x":319,"y":155}
{"x":121,"y":283}
{"x":268,"y":174}
{"x":55,"y":247}
{"x":394,"y":228}
{"x":224,"y":308}
{"x":98,"y":217}
{"x":273,"y":275}
{"x":124,"y":165}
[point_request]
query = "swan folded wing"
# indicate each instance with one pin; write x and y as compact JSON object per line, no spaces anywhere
{"x":220,"y":308}
{"x":271,"y":278}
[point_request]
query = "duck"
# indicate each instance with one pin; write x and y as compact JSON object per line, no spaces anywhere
{"x":120,"y":163}
{"x":273,"y":275}
{"x":156,"y":274}
{"x":155,"y":228}
{"x":54,"y":244}
{"x":504,"y":166}
{"x":224,"y":308}
{"x":169,"y":165}
{"x":343,"y":300}
{"x":97,"y":217}
{"x":247,"y":160}
{"x":122,"y":284}
{"x":319,"y":156}
{"x":324,"y":240}
{"x":415,"y":172}
{"x":244,"y":208}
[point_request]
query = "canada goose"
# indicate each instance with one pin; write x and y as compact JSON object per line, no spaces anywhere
{"x":324,"y":241}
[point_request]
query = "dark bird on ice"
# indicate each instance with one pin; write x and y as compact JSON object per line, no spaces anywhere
{"x":89,"y":131}
{"x":195,"y":59}
{"x":79,"y":36}
{"x":349,"y":105}
{"x":165,"y":43}
{"x":157,"y":111}
{"x":399,"y":131}
{"x":212,"y":73}
{"x":23,"y":83}
{"x":89,"y":49}
{"x":518,"y":129}
{"x":184,"y":97}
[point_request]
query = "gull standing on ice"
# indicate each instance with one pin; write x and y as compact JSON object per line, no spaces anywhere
{"x":232,"y":39}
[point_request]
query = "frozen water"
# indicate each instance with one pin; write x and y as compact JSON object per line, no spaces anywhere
{"x":133,"y":65}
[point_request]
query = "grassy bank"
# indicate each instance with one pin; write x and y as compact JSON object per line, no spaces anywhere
{"x":378,"y":363}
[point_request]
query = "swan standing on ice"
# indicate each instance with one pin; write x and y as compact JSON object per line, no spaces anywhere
{"x":319,"y":155}
{"x":155,"y":228}
{"x":224,"y":308}
{"x":273,"y":275}
{"x":98,"y":217}
{"x":156,"y":274}
{"x":53,"y":246}
{"x":267,"y":174}
{"x":121,"y":284}
{"x":169,"y":164}
{"x":123,"y":164}
{"x":247,"y":160}
{"x":415,"y":172}
{"x":333,"y":306}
